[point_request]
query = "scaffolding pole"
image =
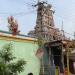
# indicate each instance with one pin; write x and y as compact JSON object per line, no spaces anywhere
{"x":67,"y":50}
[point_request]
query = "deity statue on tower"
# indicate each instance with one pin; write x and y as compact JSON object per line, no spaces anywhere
{"x":13,"y":25}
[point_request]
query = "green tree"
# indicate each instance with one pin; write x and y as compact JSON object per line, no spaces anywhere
{"x":7,"y":65}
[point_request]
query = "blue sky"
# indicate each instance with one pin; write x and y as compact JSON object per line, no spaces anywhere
{"x":25,"y":14}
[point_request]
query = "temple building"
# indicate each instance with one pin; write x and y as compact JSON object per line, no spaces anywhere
{"x":54,"y":57}
{"x":45,"y":27}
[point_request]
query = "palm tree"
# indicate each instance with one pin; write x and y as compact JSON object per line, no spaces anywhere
{"x":7,"y":66}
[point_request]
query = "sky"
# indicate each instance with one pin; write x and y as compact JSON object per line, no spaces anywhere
{"x":25,"y":14}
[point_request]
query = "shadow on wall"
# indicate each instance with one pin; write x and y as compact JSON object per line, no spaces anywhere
{"x":30,"y":73}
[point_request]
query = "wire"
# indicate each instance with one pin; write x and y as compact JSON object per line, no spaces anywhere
{"x":69,"y":33}
{"x":26,"y":13}
{"x":20,"y":13}
{"x":64,"y":31}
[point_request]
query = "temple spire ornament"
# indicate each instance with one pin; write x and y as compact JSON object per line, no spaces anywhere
{"x":13,"y":26}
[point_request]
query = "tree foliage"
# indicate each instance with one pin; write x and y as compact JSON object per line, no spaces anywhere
{"x":7,"y":66}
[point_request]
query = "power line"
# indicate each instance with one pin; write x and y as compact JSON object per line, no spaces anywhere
{"x":69,"y":33}
{"x":62,"y":31}
{"x":26,"y":13}
{"x":15,"y":14}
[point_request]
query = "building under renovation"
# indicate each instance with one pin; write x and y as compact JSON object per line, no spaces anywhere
{"x":45,"y":28}
{"x":56,"y":55}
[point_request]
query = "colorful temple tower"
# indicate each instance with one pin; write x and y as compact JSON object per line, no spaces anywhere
{"x":45,"y":28}
{"x":45,"y":23}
